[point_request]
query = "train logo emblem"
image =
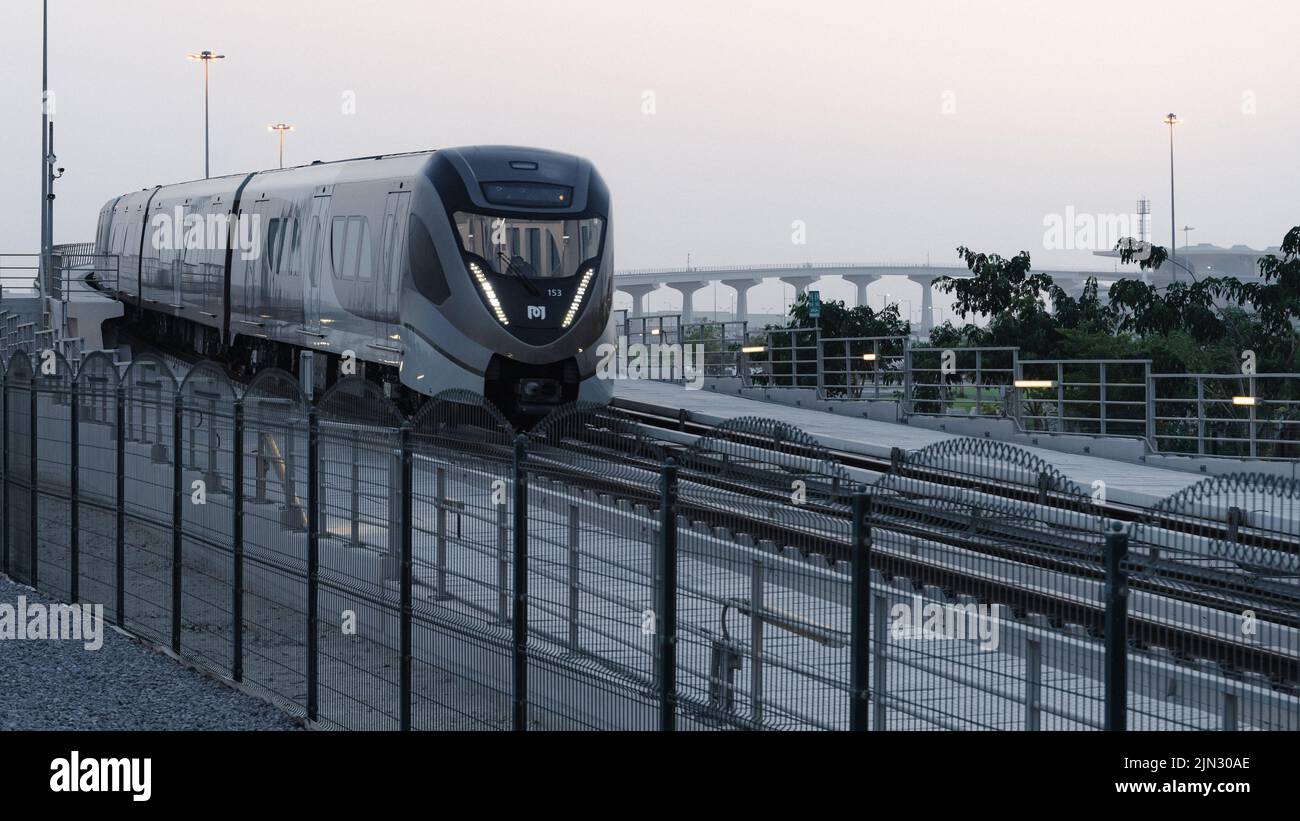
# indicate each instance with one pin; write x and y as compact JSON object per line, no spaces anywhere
{"x":537,"y":312}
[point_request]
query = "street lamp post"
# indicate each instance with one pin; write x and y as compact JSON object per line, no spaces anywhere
{"x":280,"y":127}
{"x":47,"y":233}
{"x":1172,"y":120}
{"x":206,"y":57}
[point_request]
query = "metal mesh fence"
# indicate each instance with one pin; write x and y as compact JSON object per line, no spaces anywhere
{"x":368,"y":571}
{"x":991,"y":592}
{"x":1215,"y":615}
{"x":361,"y":490}
{"x":148,"y":498}
{"x":206,"y":404}
{"x":52,"y":392}
{"x":462,"y":675}
{"x":97,"y":475}
{"x":274,"y":573}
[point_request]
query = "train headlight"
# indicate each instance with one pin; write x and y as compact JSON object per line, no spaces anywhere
{"x":577,"y":297}
{"x":489,"y":293}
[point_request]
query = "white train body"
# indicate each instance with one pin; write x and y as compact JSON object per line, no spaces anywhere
{"x":485,"y":268}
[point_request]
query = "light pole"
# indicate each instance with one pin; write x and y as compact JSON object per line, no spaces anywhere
{"x":280,"y":127}
{"x":206,"y":57}
{"x":1186,"y":229}
{"x":1171,"y":119}
{"x":42,"y":275}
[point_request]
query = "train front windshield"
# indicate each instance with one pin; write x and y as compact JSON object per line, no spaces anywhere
{"x":534,"y":248}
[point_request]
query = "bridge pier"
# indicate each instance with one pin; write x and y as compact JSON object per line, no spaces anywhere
{"x":687,"y":290}
{"x":800,"y":283}
{"x":861,"y":281}
{"x":638,"y":294}
{"x":927,"y":301}
{"x":741,"y":287}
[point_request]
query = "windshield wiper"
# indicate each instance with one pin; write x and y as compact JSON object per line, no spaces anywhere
{"x":517,"y":274}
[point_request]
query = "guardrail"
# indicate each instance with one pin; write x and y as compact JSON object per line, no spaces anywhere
{"x":1252,"y":416}
{"x":1101,"y":397}
{"x":977,"y":382}
{"x":71,"y":263}
{"x":1227,"y":415}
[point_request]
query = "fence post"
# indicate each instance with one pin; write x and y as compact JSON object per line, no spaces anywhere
{"x":1060,"y":397}
{"x":666,"y":623}
{"x":1200,"y":416}
{"x":906,"y":404}
{"x":178,"y":411}
{"x":1033,"y":684}
{"x":7,"y":510}
{"x":237,"y":547}
{"x":119,"y":550}
{"x":503,"y":564}
{"x":354,"y":492}
{"x":520,"y":614}
{"x":1116,"y":628}
{"x":1255,"y":448}
{"x":1151,"y":410}
{"x":440,"y":554}
{"x":575,"y":578}
{"x":33,"y":490}
{"x":1102,"y":390}
{"x":407,"y":559}
{"x":74,"y":489}
{"x":880,"y":636}
{"x":757,"y":621}
{"x":313,"y":560}
{"x":860,"y":612}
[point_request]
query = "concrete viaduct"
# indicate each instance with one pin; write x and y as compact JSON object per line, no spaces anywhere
{"x":638,"y":284}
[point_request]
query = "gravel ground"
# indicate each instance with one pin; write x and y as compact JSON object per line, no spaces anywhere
{"x":59,"y":685}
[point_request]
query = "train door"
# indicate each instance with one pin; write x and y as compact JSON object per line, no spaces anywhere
{"x":317,"y":237}
{"x":393,"y":245}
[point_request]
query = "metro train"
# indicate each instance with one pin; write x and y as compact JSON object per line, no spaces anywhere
{"x":488,"y":268}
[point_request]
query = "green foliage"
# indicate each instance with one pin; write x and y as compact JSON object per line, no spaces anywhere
{"x":839,"y":321}
{"x":1197,"y":326}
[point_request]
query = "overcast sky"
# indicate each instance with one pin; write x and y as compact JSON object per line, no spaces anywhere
{"x":894,"y":131}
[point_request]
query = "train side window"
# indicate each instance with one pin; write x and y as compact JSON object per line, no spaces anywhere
{"x":338,"y":245}
{"x":271,"y":253}
{"x":288,"y":257}
{"x":365,"y":262}
{"x":352,"y":255}
{"x":315,"y":251}
{"x":388,"y":264}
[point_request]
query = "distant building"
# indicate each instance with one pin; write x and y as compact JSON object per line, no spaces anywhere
{"x":1204,"y":259}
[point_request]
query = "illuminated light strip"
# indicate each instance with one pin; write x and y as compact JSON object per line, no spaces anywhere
{"x":1244,"y":400}
{"x":489,"y":293}
{"x":868,"y":357}
{"x":753,"y":349}
{"x":1035,"y":383}
{"x":577,"y":297}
